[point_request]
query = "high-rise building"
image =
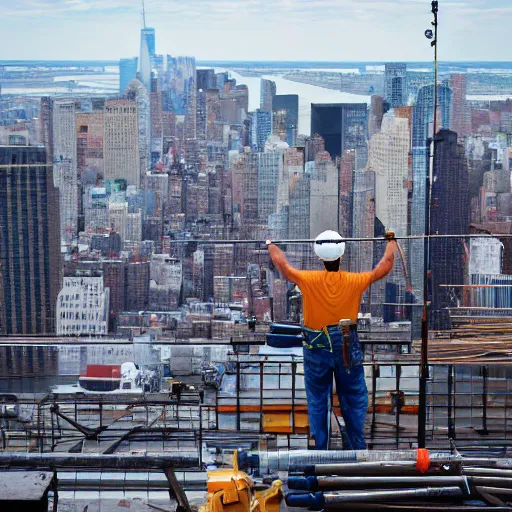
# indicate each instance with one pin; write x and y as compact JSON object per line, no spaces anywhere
{"x":261,"y":129}
{"x":29,"y":243}
{"x":395,"y":77}
{"x":244,"y":186}
{"x":449,"y":216}
{"x":138,"y":93}
{"x":270,"y":167}
{"x":65,"y":174}
{"x":285,"y":117}
{"x":148,"y":34}
{"x":324,"y":195}
{"x":127,"y":72}
{"x":299,"y":211}
{"x":83,"y":306}
{"x":166,"y":282}
{"x":267,"y":93}
{"x":121,"y":141}
{"x":461,"y":112}
{"x":363,"y":220}
{"x":346,"y":187}
{"x":89,"y":133}
{"x":388,"y":156}
{"x":375,"y":114}
{"x":206,"y":79}
{"x":117,"y":217}
{"x":46,"y":126}
{"x":421,"y":133}
{"x":133,"y":227}
{"x":147,"y":52}
{"x":137,"y":286}
{"x":343,"y":126}
{"x":95,"y":204}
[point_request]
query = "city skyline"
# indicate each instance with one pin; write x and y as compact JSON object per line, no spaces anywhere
{"x":379,"y":28}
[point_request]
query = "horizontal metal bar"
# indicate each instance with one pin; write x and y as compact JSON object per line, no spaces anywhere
{"x":125,"y":462}
{"x":475,"y":286}
{"x":348,"y":239}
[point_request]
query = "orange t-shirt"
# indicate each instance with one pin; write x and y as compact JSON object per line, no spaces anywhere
{"x":328,"y":297}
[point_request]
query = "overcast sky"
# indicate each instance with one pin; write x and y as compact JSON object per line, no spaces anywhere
{"x":318,"y":30}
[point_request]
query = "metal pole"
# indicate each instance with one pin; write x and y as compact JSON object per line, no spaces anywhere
{"x":348,"y":239}
{"x":484,"y":401}
{"x":424,"y":374}
{"x":125,"y":462}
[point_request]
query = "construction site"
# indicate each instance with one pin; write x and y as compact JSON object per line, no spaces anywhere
{"x":215,"y":417}
{"x":158,"y":350}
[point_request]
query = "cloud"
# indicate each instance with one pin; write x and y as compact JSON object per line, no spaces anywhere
{"x":254,"y":29}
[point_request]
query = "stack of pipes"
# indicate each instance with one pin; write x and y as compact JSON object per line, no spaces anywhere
{"x":392,"y":480}
{"x":421,"y":483}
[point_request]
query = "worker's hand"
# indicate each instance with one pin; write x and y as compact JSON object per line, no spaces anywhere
{"x":390,"y":235}
{"x":268,"y":242}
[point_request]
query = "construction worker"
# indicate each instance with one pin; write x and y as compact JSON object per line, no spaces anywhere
{"x":329,"y":296}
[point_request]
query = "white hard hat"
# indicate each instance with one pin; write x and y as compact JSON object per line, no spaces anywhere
{"x":329,"y":251}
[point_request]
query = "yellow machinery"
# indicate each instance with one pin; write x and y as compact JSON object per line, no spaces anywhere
{"x":232,"y":490}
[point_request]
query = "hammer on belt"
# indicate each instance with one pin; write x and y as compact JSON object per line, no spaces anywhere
{"x":345,"y":324}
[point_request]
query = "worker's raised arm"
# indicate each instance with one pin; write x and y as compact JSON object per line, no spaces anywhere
{"x":285,"y":269}
{"x":385,"y":265}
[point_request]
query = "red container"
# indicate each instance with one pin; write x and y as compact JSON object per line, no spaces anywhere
{"x":109,"y":371}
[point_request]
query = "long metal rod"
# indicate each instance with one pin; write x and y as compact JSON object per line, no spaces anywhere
{"x":66,"y":460}
{"x":349,"y":239}
{"x":424,"y":373}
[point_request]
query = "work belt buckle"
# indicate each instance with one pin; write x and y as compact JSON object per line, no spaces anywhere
{"x":345,"y":324}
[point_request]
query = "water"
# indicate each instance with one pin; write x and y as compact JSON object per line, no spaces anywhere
{"x":307,"y":94}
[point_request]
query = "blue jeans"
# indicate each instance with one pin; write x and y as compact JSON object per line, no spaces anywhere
{"x":320,"y":364}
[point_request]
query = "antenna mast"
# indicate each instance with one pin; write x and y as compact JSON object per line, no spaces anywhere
{"x":143,"y":14}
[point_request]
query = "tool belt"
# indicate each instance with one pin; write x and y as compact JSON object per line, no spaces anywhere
{"x":293,"y":335}
{"x":342,"y":335}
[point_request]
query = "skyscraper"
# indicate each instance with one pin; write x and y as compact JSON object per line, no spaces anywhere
{"x":261,"y":129}
{"x":29,"y":241}
{"x":388,"y":156}
{"x":343,"y":126}
{"x":206,"y":79}
{"x":147,"y":52}
{"x":267,"y":93}
{"x":324,"y":195}
{"x":138,"y":93}
{"x":461,"y":112}
{"x":127,"y":72}
{"x":395,"y":77}
{"x":422,"y":131}
{"x":121,"y":141}
{"x":363,"y":220}
{"x":65,"y":175}
{"x":449,"y":216}
{"x":285,"y":117}
{"x":270,"y":167}
{"x":148,"y":34}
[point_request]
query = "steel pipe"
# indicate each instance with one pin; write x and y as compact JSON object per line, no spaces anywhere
{"x":348,"y":239}
{"x":182,"y":459}
{"x":337,"y":500}
{"x":301,"y":460}
{"x":319,"y":500}
{"x":314,"y":484}
{"x":391,"y":467}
